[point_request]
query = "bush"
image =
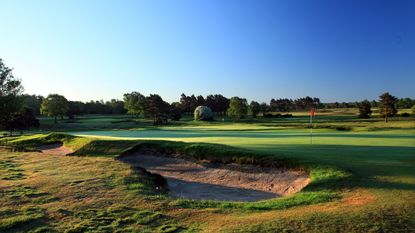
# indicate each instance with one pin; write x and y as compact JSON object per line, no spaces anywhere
{"x":268,"y":115}
{"x":405,"y":114}
{"x":203,"y":113}
{"x":287,"y":115}
{"x":176,"y":117}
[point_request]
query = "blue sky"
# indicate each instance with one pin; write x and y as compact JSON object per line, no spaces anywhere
{"x":257,"y":49}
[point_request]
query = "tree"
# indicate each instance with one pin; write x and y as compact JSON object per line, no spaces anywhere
{"x":116,"y":106}
{"x":134,"y":102}
{"x":33,"y":102}
{"x":364,"y":109}
{"x":200,"y":100}
{"x":413,"y":110}
{"x":156,"y":109}
{"x":264,"y":108}
{"x":25,"y":119}
{"x":75,"y":108}
{"x":238,"y":108}
{"x":254,"y":108}
{"x":405,"y":103}
{"x":281,"y":105}
{"x":175,"y":113}
{"x":55,"y":105}
{"x":387,"y":105}
{"x":218,"y":103}
{"x":11,"y":104}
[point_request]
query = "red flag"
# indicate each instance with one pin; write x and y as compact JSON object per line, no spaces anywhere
{"x":311,"y":112}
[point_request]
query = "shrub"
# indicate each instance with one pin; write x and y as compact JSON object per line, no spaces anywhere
{"x":405,"y":114}
{"x":203,"y":113}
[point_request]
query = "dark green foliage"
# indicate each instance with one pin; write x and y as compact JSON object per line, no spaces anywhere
{"x":387,"y":105}
{"x":365,"y":109}
{"x":9,"y":85}
{"x":55,"y":105}
{"x":238,"y":108}
{"x":282,"y":105}
{"x":188,"y":103}
{"x":33,"y":102}
{"x":22,"y":120}
{"x":217,"y":103}
{"x":405,"y":114}
{"x":134,"y":102}
{"x":175,"y":113}
{"x":11,"y":104}
{"x":405,"y":103}
{"x":254,"y":108}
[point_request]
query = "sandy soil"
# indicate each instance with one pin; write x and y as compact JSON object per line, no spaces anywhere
{"x":227,"y":182}
{"x":55,"y":149}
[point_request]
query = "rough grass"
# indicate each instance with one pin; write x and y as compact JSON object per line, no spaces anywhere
{"x":363,"y":179}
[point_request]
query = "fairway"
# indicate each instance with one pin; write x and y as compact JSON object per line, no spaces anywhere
{"x":380,"y":161}
{"x":207,"y":116}
{"x":359,"y":151}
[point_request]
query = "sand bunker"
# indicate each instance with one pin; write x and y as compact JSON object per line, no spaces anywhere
{"x":55,"y":149}
{"x":220,"y":182}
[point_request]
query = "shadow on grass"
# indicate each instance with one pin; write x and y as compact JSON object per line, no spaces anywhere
{"x":255,"y":133}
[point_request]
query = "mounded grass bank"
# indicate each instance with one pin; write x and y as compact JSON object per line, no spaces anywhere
{"x":326,"y":182}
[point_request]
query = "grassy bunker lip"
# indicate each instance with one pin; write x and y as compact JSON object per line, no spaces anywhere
{"x":325,"y":182}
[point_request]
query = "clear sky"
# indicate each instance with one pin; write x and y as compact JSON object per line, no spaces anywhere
{"x":336,"y":50}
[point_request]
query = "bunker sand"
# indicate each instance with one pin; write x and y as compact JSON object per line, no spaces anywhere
{"x":55,"y":149}
{"x":230,"y":182}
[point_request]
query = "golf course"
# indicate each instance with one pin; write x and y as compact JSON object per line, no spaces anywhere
{"x":361,"y":179}
{"x":207,"y":116}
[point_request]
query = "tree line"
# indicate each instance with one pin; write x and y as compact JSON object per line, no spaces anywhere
{"x":19,"y":111}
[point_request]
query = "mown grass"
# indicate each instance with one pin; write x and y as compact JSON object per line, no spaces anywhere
{"x":144,"y":183}
{"x":363,"y":179}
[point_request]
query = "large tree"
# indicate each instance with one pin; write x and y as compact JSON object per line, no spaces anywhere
{"x":25,"y":119}
{"x":55,"y":105}
{"x":387,"y":105}
{"x":281,"y":105}
{"x":11,"y":103}
{"x":116,"y":106}
{"x":134,"y":102}
{"x":254,"y":108}
{"x":33,"y":102}
{"x":364,"y":109}
{"x":218,"y":103}
{"x":405,"y":103}
{"x":264,"y":108}
{"x":157,"y":109}
{"x":238,"y":107}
